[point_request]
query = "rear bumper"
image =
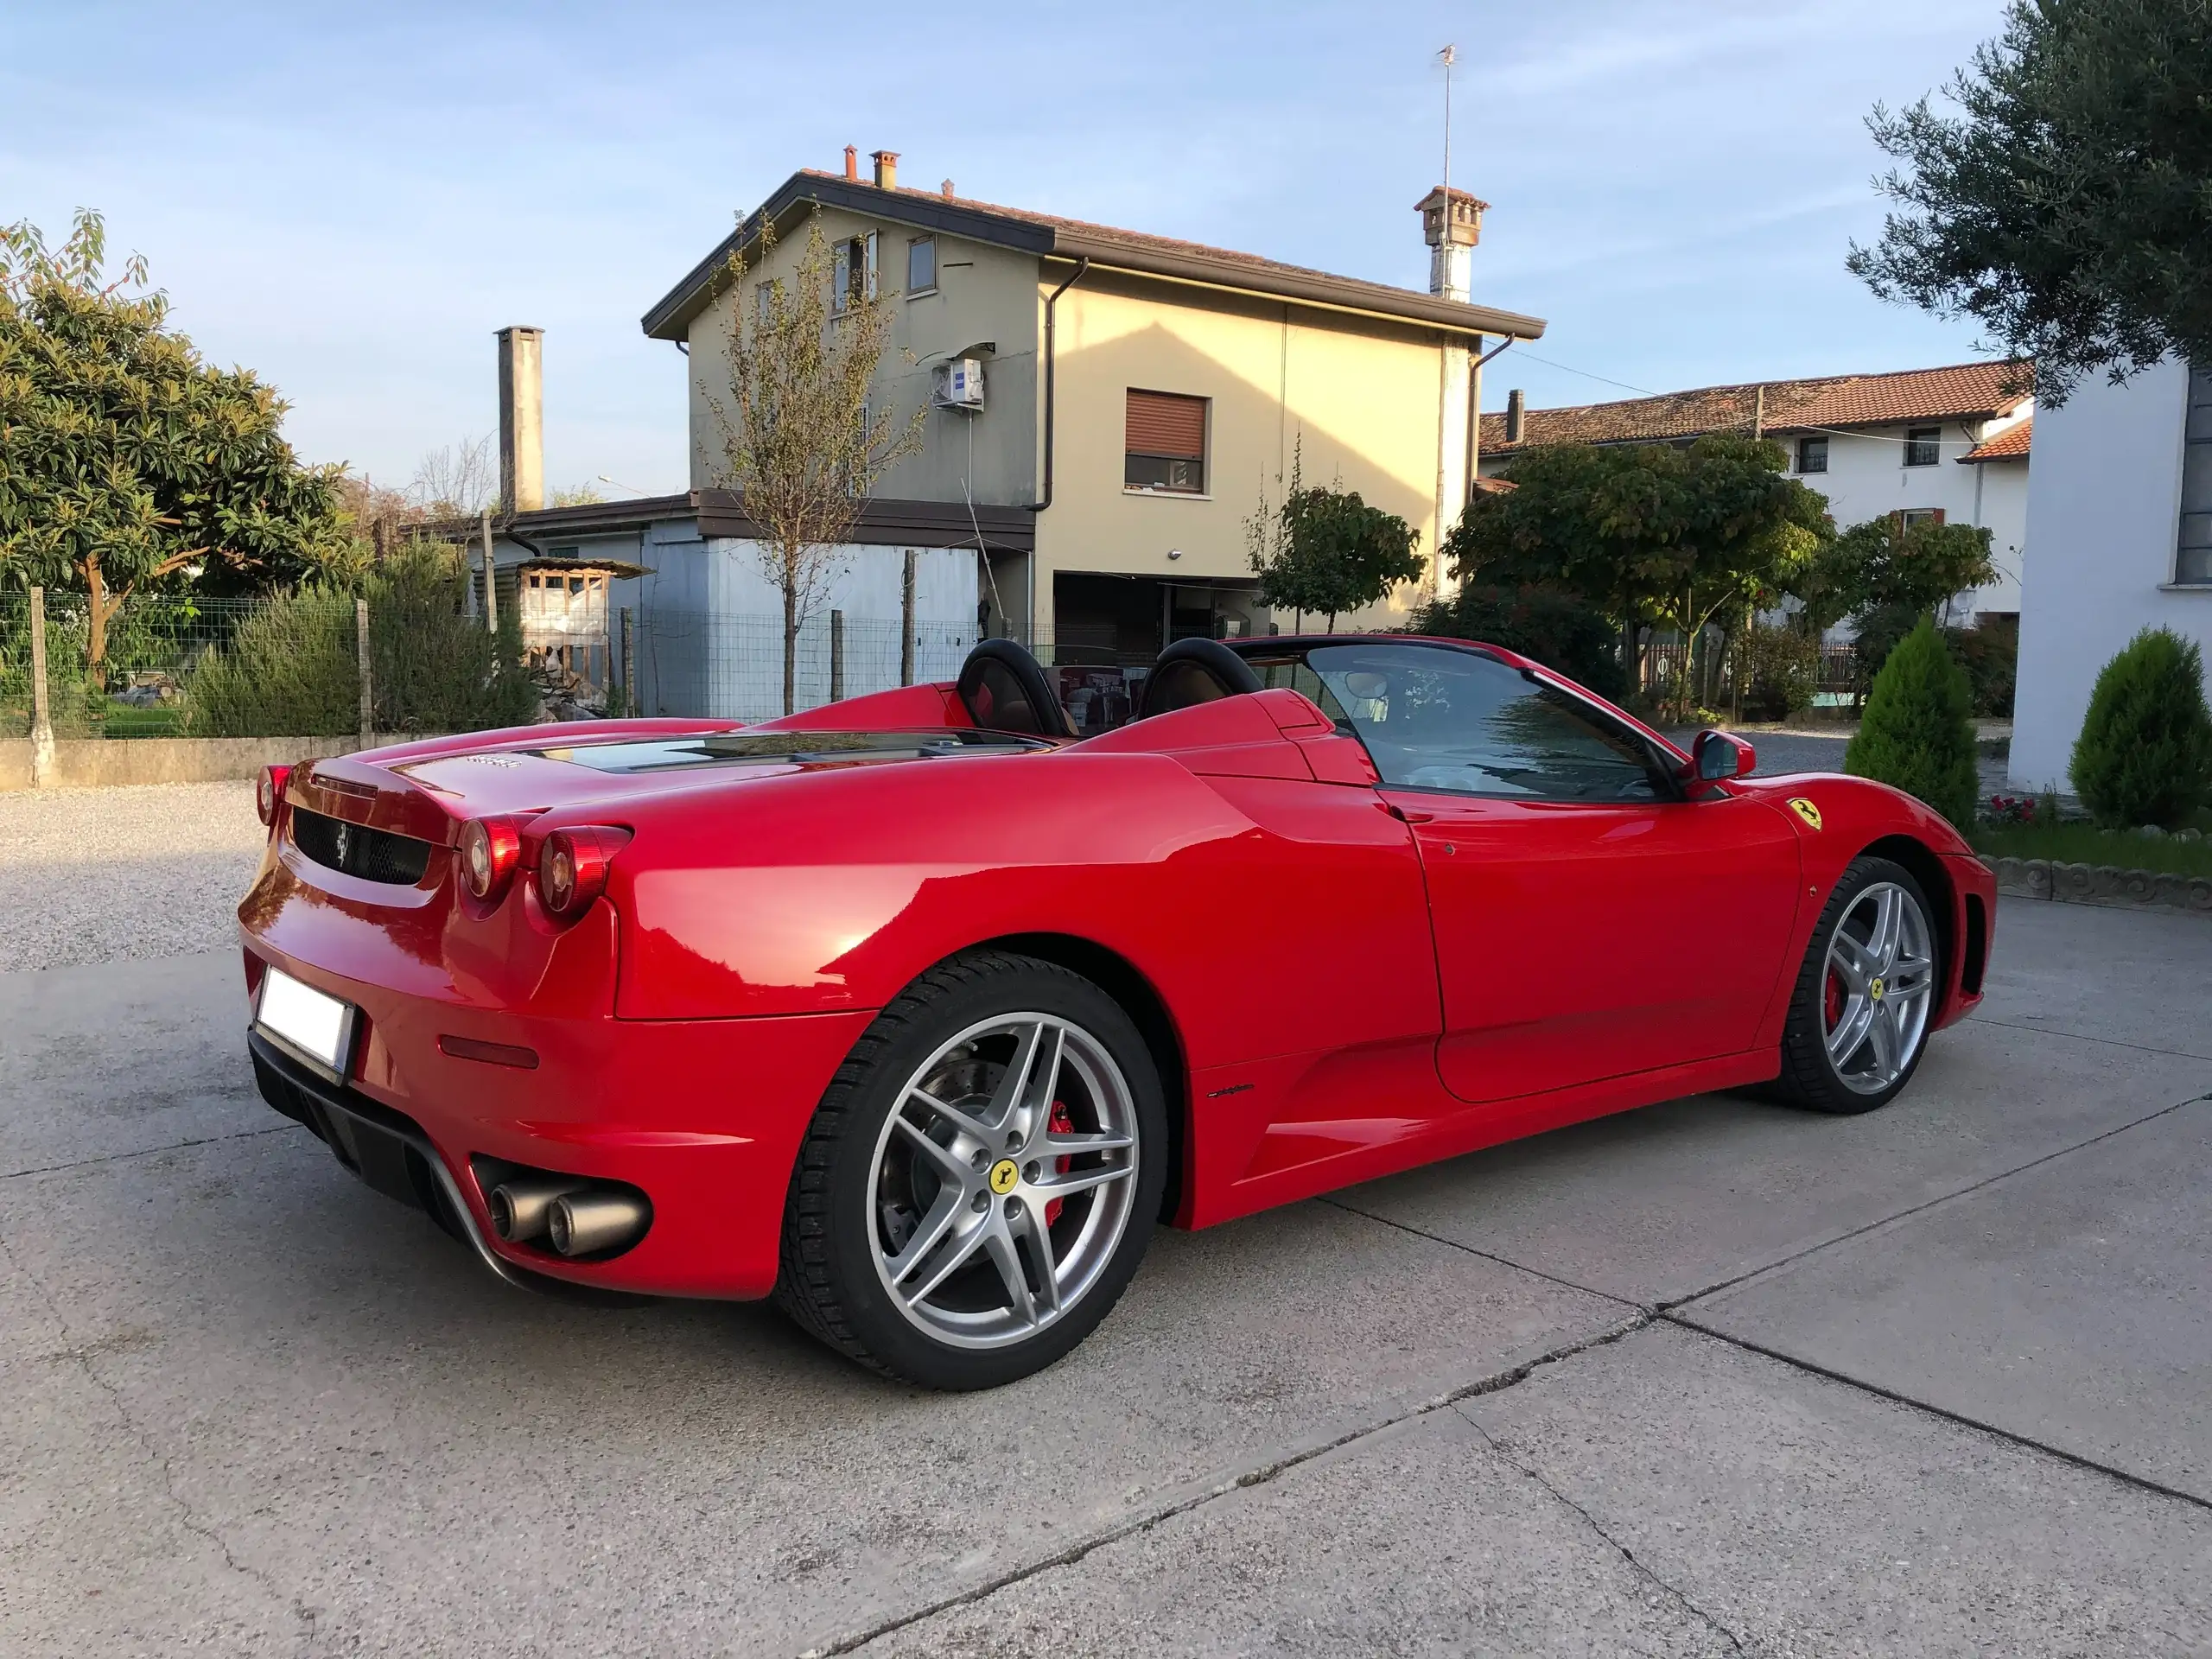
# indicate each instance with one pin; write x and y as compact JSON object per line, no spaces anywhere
{"x":704,"y":1116}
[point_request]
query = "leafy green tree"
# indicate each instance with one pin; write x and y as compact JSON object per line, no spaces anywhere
{"x":1659,"y":534}
{"x":2067,"y":206}
{"x":124,"y":460}
{"x":2144,"y":754}
{"x":1326,"y":551}
{"x":1916,"y":570}
{"x":1918,"y":734}
{"x":1562,"y":631}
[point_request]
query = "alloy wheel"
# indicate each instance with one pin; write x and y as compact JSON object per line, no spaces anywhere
{"x":1003,"y":1178}
{"x":1878,"y":988}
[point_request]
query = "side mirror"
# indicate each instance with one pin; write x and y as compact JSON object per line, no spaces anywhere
{"x":1716,"y":756}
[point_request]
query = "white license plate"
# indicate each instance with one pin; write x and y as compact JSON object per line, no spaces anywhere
{"x":315,"y":1026}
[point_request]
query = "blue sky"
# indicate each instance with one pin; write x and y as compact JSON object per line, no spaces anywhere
{"x":350,"y":200}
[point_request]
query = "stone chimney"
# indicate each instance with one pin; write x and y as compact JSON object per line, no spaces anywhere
{"x":522,"y":419}
{"x":887,"y":168}
{"x":1452,"y":222}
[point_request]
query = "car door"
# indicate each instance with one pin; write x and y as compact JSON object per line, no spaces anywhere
{"x":1590,"y":921}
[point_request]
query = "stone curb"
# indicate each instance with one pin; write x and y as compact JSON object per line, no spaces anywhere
{"x":2102,"y":884}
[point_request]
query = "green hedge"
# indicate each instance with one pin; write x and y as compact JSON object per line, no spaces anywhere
{"x":294,"y":669}
{"x":1918,"y":732}
{"x":2144,"y":754}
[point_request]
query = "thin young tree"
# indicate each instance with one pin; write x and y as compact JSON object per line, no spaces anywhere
{"x":803,"y":446}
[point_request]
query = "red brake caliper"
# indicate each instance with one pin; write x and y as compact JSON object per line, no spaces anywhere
{"x":1832,"y":1001}
{"x":1060,"y":1124}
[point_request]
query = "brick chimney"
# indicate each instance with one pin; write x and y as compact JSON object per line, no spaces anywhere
{"x":853,"y":163}
{"x":1452,"y":223}
{"x":887,"y":168}
{"x":522,"y":419}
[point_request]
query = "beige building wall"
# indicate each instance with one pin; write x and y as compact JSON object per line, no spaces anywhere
{"x":1378,"y":406}
{"x":1360,"y":397}
{"x":985,"y":296}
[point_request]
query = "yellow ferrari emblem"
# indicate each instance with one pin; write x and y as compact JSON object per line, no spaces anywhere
{"x":1004,"y":1176}
{"x":1874,"y":990}
{"x":1805,"y":810}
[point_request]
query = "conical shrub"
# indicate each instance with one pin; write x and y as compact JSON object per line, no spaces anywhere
{"x":1918,"y":731}
{"x":2144,"y":754}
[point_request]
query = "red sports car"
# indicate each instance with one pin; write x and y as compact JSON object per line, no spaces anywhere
{"x":917,"y":1014}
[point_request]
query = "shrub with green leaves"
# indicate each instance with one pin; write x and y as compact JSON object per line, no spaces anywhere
{"x":293,"y":670}
{"x":2144,"y":754}
{"x":1780,"y":668}
{"x":1918,"y":733}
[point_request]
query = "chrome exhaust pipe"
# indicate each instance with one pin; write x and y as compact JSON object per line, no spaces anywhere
{"x":583,"y":1224}
{"x":521,"y":1208}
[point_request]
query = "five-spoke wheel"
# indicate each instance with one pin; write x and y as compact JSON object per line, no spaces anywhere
{"x":1869,"y":986}
{"x":978,"y":1184}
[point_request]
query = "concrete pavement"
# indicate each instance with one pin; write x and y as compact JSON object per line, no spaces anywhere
{"x":1714,"y":1377}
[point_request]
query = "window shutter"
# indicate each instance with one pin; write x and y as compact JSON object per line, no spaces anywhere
{"x":871,"y":265}
{"x":1166,"y":424}
{"x":1938,"y":517}
{"x":841,"y":277}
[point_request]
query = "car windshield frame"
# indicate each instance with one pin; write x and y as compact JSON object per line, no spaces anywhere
{"x":1661,"y":766}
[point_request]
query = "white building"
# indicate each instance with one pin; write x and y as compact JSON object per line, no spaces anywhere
{"x":1949,"y":444}
{"x":2122,"y":514}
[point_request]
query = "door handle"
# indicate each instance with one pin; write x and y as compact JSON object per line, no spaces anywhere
{"x":1404,"y":816}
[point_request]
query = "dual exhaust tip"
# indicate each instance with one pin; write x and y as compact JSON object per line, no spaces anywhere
{"x":572,"y":1216}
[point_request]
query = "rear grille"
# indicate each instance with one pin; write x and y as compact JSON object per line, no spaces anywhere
{"x":372,"y":855}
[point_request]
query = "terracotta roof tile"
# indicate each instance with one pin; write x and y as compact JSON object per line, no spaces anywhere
{"x":1963,"y":392}
{"x":2011,"y":444}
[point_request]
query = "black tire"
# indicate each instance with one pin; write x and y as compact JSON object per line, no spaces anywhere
{"x":829,"y":1281}
{"x":1810,"y":1079}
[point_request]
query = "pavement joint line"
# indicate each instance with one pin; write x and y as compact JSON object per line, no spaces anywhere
{"x":1663,"y":1308}
{"x":2012,"y":1437}
{"x":150,"y":1152}
{"x":1643,"y":1569}
{"x":2084,"y":1036}
{"x":81,"y":1355}
{"x":1258,"y":1475}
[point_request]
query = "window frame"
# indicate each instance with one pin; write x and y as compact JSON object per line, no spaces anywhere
{"x":1664,"y":764}
{"x":1203,"y":461}
{"x":1809,"y":438}
{"x":915,"y":243}
{"x":1921,"y":451}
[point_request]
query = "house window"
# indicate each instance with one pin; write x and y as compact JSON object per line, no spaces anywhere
{"x":1166,"y":449}
{"x":921,"y":266}
{"x":852,"y":276}
{"x":2193,"y":559}
{"x":1812,"y":453}
{"x":1923,"y":445}
{"x":1912,"y":516}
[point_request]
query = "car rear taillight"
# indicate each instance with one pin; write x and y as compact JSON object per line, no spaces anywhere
{"x":572,"y":867}
{"x":490,"y":848}
{"x":268,"y":793}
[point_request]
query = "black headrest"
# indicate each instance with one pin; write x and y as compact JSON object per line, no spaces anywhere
{"x":1192,"y":671}
{"x":1004,"y":689}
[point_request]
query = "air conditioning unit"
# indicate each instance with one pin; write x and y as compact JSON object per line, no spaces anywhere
{"x":959,"y":384}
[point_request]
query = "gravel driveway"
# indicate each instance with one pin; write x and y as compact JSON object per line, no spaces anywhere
{"x":94,"y":874}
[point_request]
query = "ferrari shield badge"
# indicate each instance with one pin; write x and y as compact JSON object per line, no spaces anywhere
{"x":1805,"y":810}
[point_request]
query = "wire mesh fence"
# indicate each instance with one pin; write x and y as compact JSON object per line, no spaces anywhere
{"x":723,"y":666}
{"x":289,"y":665}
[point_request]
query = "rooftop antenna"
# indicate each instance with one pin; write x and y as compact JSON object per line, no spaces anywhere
{"x":1447,"y":57}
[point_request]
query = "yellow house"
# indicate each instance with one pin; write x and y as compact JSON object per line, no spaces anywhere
{"x":1106,"y":408}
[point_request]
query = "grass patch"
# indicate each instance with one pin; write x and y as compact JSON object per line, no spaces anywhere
{"x":2084,"y":844}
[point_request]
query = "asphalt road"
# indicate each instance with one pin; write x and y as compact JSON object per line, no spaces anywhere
{"x":1714,"y":1377}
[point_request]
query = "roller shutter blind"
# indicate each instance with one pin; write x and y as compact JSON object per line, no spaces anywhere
{"x":1167,"y":423}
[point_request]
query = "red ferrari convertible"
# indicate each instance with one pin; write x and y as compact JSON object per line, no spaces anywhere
{"x":916,"y":1013}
